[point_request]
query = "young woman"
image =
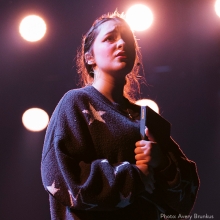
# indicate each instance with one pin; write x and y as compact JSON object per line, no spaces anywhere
{"x":94,"y":163}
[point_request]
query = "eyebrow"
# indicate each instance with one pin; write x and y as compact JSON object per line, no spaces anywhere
{"x":112,"y":31}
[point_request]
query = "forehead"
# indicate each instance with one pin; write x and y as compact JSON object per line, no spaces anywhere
{"x":113,"y":26}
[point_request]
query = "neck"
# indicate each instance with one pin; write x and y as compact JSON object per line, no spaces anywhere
{"x":110,"y":88}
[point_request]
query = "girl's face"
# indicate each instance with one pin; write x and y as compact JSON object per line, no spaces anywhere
{"x":113,"y":50}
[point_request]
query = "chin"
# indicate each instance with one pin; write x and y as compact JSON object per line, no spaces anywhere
{"x":126,"y":67}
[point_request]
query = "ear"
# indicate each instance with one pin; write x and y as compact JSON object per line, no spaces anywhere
{"x":89,"y":58}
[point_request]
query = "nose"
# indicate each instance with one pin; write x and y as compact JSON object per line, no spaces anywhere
{"x":120,"y":43}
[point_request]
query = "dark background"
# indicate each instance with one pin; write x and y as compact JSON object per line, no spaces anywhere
{"x":181,"y":57}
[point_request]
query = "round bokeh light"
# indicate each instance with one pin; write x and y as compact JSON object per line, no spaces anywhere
{"x":35,"y":119}
{"x":32,"y":28}
{"x":139,"y":17}
{"x":148,"y":102}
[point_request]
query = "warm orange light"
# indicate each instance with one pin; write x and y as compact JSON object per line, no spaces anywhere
{"x":148,"y":102}
{"x":32,"y":28}
{"x":139,"y":17}
{"x":217,"y":7}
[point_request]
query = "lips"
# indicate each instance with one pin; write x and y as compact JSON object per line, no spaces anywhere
{"x":121,"y":54}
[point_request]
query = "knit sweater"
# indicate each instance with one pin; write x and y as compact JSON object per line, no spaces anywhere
{"x":88,"y":164}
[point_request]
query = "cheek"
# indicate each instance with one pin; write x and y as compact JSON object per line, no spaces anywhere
{"x":103,"y":52}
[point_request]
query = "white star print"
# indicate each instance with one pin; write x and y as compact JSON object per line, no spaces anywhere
{"x":117,"y":168}
{"x":72,"y":197}
{"x":52,"y":189}
{"x":94,"y":115}
{"x":124,"y":201}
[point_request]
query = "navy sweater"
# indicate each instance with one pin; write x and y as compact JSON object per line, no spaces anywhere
{"x":88,"y":164}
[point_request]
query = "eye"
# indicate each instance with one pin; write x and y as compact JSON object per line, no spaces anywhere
{"x":110,"y":38}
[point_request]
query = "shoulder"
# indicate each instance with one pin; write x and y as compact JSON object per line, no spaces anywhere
{"x":78,"y":94}
{"x":76,"y":97}
{"x":70,"y":107}
{"x":75,"y":101}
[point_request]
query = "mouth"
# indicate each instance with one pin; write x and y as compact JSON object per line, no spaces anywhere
{"x":121,"y":54}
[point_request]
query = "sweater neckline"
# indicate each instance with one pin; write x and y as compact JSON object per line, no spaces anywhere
{"x":99,"y":95}
{"x":132,"y":108}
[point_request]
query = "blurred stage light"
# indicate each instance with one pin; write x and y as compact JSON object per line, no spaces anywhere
{"x":217,"y":7}
{"x":148,"y":102}
{"x":139,"y":17}
{"x":32,"y":28}
{"x":35,"y":119}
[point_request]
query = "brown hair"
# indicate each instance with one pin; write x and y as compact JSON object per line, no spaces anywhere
{"x":85,"y":70}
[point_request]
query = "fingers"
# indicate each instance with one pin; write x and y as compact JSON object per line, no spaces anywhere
{"x":144,"y":149}
{"x":148,"y":152}
{"x":141,"y":143}
{"x":143,"y":152}
{"x":149,"y":135}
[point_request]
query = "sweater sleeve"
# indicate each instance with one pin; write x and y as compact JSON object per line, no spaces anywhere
{"x":74,"y":175}
{"x":177,"y":185}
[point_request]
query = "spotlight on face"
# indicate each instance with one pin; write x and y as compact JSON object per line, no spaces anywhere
{"x":35,"y":119}
{"x":32,"y":28}
{"x":139,"y":17}
{"x":148,"y":102}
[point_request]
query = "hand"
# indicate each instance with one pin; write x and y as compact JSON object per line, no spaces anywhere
{"x":148,"y":152}
{"x":148,"y":155}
